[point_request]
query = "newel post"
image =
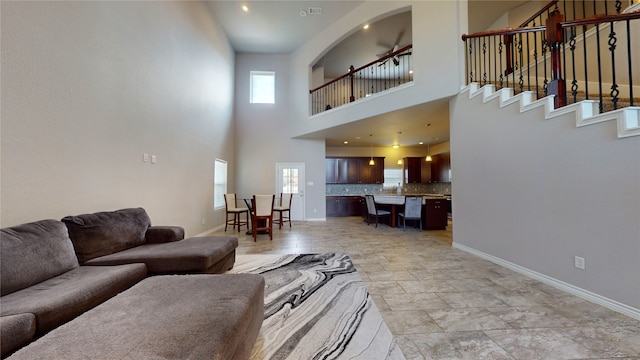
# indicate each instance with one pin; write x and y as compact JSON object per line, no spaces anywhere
{"x":508,"y":43}
{"x":555,"y":39}
{"x":352,"y":98}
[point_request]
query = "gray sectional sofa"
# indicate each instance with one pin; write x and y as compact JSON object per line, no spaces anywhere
{"x":64,"y":272}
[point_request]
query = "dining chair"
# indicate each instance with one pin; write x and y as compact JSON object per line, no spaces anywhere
{"x":283,"y":209}
{"x":373,"y":211}
{"x":232,"y":208}
{"x":412,"y":211}
{"x":262,"y":214}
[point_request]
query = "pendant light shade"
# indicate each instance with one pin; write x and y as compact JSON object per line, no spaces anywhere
{"x":428,"y":158}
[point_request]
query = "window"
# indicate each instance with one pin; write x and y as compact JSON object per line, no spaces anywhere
{"x":262,"y":87}
{"x":392,"y":177}
{"x":219,"y":183}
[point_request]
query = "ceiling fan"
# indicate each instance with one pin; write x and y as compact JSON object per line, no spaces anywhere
{"x":392,"y":49}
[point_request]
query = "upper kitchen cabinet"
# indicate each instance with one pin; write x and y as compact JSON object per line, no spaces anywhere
{"x":363,"y":173}
{"x":413,"y":170}
{"x":418,"y":170}
{"x":441,"y":168}
{"x":337,"y":170}
{"x":354,"y":170}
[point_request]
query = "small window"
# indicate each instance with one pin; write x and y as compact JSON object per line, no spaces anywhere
{"x":262,"y":87}
{"x":219,"y":183}
{"x":392,"y":177}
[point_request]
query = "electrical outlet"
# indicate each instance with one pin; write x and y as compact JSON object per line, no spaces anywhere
{"x":579,"y":262}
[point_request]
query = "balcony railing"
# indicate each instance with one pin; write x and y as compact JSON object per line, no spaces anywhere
{"x":389,"y":71}
{"x":597,"y":56}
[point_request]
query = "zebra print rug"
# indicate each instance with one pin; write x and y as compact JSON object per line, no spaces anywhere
{"x":317,"y":307}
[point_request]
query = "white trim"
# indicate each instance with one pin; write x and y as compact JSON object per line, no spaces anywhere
{"x":574,"y":290}
{"x":586,"y":112}
{"x":209,"y":232}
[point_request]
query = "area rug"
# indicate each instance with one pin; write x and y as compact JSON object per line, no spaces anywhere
{"x":317,"y":307}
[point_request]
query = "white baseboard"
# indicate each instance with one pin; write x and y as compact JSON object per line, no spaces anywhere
{"x":210,"y":231}
{"x":582,"y":293}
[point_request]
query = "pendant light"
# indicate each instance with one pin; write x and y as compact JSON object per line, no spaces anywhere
{"x":371,"y":162}
{"x":428,"y":158}
{"x":396,"y":146}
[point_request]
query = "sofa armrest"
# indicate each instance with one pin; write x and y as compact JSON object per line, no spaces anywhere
{"x":163,"y":234}
{"x":16,"y":330}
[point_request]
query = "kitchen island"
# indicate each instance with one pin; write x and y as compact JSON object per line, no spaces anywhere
{"x":434,"y":208}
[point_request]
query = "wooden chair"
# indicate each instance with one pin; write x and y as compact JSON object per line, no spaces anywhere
{"x":231,"y":205}
{"x":262,"y":214}
{"x":283,"y":209}
{"x":373,"y":211}
{"x":412,"y":211}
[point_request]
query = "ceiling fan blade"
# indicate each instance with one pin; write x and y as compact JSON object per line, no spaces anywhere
{"x":400,"y":34}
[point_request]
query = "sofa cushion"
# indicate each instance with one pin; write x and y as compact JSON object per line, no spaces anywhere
{"x":192,"y":255}
{"x":66,"y":296}
{"x":16,"y":331}
{"x":34,"y":252}
{"x":164,"y":317}
{"x":104,"y":233}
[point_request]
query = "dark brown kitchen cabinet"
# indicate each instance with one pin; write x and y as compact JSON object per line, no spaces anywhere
{"x":354,"y":170}
{"x":337,"y":170}
{"x":343,"y":206}
{"x":435,"y":214}
{"x":413,"y":170}
{"x":440,"y":167}
{"x":360,"y":172}
{"x":418,"y":170}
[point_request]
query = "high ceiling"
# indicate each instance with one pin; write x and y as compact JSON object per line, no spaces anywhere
{"x":280,"y":27}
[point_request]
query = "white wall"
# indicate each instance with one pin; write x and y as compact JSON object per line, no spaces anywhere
{"x":263,"y":136}
{"x":537,"y":193}
{"x":88,"y":87}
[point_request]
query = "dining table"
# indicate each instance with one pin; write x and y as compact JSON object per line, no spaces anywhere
{"x":248,"y":202}
{"x":396,"y":202}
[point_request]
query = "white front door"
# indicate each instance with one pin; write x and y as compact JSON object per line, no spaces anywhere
{"x":290,"y":179}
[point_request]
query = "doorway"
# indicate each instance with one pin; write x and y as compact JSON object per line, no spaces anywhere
{"x":290,"y":179}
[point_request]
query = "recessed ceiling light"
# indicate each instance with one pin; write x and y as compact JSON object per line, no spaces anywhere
{"x":410,"y":71}
{"x":245,"y":8}
{"x":345,"y":142}
{"x":421,"y":143}
{"x":395,"y":146}
{"x":366,"y":26}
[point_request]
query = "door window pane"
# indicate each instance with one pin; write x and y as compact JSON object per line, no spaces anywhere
{"x":290,"y":181}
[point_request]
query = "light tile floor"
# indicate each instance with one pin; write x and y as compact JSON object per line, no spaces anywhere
{"x":442,"y":303}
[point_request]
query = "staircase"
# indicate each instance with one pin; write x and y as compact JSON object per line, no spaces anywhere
{"x":586,"y":112}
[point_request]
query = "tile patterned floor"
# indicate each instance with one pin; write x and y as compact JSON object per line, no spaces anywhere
{"x":442,"y":303}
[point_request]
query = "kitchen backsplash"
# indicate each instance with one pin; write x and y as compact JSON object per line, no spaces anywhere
{"x":360,"y":189}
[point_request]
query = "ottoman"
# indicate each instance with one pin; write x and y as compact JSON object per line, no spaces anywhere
{"x":164,"y":317}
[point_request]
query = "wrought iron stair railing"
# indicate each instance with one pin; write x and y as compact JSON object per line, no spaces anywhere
{"x":598,"y":57}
